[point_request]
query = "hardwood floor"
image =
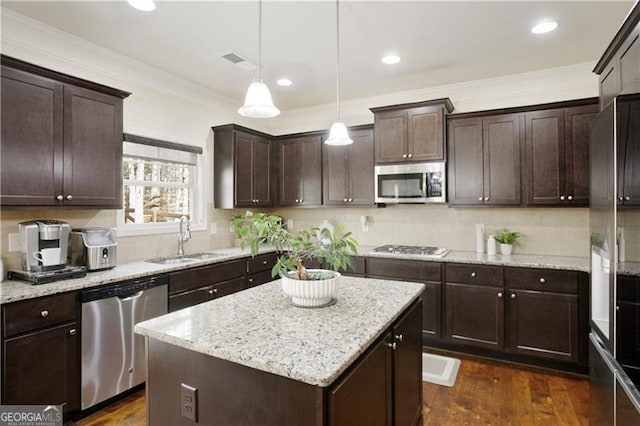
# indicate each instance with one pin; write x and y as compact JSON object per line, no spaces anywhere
{"x":485,"y":393}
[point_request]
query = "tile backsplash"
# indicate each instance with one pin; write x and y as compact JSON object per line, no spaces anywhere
{"x":554,"y":231}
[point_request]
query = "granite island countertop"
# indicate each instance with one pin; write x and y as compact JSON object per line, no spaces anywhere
{"x":258,"y":328}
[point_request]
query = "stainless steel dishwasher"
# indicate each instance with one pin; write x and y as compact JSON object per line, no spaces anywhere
{"x":113,"y":357}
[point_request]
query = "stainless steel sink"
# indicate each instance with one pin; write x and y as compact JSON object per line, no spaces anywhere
{"x":186,"y":258}
{"x":171,"y":260}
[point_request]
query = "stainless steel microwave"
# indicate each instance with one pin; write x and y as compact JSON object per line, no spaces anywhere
{"x":411,"y":183}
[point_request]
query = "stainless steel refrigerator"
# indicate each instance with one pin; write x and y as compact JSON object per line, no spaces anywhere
{"x":614,"y":350}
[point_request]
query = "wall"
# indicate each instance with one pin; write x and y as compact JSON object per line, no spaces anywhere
{"x":166,"y":107}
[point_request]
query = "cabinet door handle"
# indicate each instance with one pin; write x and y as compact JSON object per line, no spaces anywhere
{"x":69,"y":197}
{"x":542,"y":281}
{"x":44,"y":314}
{"x":264,"y":262}
{"x":473,"y":275}
{"x":345,"y":200}
{"x":562,"y":197}
{"x":627,"y":198}
{"x":351,"y":200}
{"x":570,"y":197}
{"x":301,"y":200}
{"x":72,"y":332}
{"x":513,"y":295}
{"x":486,"y":198}
{"x":404,"y":155}
{"x":499,"y":295}
{"x":250,"y":280}
{"x":410,"y":155}
{"x":392,"y":345}
{"x":620,"y":198}
{"x":479,"y":198}
{"x":60,"y":197}
{"x":398,"y":337}
{"x":297,"y":201}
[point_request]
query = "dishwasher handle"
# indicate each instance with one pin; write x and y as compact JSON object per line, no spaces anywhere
{"x":123,"y":289}
{"x":130,"y":295}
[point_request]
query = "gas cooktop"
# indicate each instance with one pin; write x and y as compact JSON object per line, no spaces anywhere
{"x":426,"y":251}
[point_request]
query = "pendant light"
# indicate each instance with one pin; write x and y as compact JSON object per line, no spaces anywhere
{"x":258,"y":102}
{"x":338,"y":134}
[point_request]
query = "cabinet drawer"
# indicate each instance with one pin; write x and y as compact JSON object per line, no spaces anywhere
{"x":475,"y":274}
{"x":261,"y":263}
{"x":403,"y":269}
{"x":38,"y":313}
{"x":229,"y":287}
{"x":259,"y":278}
{"x":206,"y":275}
{"x":542,"y":280}
{"x":204,"y":294}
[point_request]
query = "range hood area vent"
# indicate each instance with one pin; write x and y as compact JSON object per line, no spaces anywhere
{"x":239,"y":60}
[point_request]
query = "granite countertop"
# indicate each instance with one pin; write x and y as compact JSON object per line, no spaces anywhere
{"x":516,"y":260}
{"x":258,"y":328}
{"x":14,"y":290}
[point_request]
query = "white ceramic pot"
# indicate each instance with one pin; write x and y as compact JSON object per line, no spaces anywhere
{"x":311,"y":293}
{"x":506,"y":249}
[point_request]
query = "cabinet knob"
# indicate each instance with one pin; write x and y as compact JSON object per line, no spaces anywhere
{"x":297,"y":201}
{"x":473,"y":275}
{"x":60,"y":197}
{"x":250,"y":280}
{"x":404,"y":155}
{"x":617,"y":308}
{"x":620,"y":198}
{"x":392,"y":345}
{"x":44,"y":314}
{"x":499,"y":295}
{"x":351,"y":200}
{"x":213,"y":291}
{"x":345,"y":200}
{"x":69,"y":197}
{"x":627,"y":198}
{"x":486,"y":198}
{"x":301,"y":200}
{"x":410,"y":155}
{"x":398,"y":337}
{"x":479,"y":198}
{"x":210,"y":291}
{"x":72,"y":332}
{"x":513,"y":295}
{"x":570,"y":197}
{"x":562,"y":197}
{"x":542,"y":281}
{"x":130,"y":370}
{"x":264,"y":262}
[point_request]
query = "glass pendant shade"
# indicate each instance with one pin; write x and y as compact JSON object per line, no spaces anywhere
{"x":338,"y":135}
{"x":258,"y":102}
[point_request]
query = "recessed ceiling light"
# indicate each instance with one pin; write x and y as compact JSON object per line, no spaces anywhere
{"x":284,"y":82}
{"x":145,"y":5}
{"x":390,"y":59}
{"x":544,"y":27}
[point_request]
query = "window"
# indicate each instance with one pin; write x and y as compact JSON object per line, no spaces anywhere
{"x":160,"y":185}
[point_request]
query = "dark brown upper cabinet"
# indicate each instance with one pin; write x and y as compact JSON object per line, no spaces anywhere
{"x":61,"y":140}
{"x":628,"y":148}
{"x":300,"y":171}
{"x":557,"y":155}
{"x":618,"y":67}
{"x":348,"y":171}
{"x":411,"y":132}
{"x":484,"y":160}
{"x":242,"y":167}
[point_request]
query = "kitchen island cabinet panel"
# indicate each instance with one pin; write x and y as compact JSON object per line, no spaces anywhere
{"x":474,"y":315}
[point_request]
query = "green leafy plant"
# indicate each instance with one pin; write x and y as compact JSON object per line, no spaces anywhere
{"x":332,"y":249}
{"x":507,"y":237}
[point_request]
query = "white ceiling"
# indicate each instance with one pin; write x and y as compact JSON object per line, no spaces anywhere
{"x":440,"y":42}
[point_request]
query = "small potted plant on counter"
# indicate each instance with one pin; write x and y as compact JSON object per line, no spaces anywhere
{"x":507,"y":239}
{"x":305,"y":287}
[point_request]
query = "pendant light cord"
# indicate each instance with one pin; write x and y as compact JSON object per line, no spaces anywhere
{"x":260,"y":39}
{"x":338,"y":59}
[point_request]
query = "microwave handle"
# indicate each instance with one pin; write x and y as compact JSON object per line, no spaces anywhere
{"x":424,"y":185}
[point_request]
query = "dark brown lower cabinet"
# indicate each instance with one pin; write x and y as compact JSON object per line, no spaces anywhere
{"x":42,"y":368}
{"x":474,"y":315}
{"x":544,"y":325}
{"x":204,"y":294}
{"x":363,"y":397}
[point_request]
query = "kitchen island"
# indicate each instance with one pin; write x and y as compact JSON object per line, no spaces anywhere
{"x":253,"y":358}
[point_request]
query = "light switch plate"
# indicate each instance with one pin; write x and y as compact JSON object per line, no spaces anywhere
{"x":14,"y":242}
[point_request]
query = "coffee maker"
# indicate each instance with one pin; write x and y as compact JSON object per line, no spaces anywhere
{"x":44,"y":252}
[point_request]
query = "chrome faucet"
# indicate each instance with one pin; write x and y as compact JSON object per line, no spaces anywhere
{"x":185,"y":234}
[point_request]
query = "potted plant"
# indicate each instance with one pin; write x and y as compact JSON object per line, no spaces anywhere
{"x":507,"y":239}
{"x":306,"y":287}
